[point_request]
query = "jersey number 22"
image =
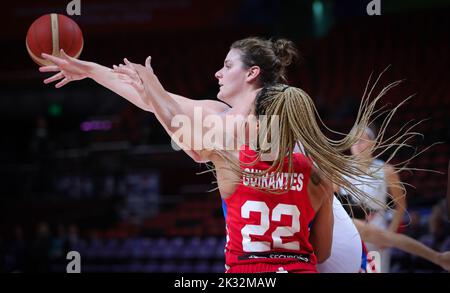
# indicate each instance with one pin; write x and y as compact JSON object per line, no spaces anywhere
{"x":258,"y":230}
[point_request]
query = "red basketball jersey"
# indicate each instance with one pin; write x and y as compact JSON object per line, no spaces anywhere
{"x":269,"y":232}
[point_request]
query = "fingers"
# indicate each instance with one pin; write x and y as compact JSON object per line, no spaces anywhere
{"x":62,"y":83}
{"x":141,"y":72}
{"x":65,"y":56}
{"x":124,"y":70}
{"x":135,"y":66}
{"x":124,"y":77}
{"x":134,"y":83}
{"x":50,"y":68}
{"x":129,"y":63}
{"x":58,"y":61}
{"x":54,"y":78}
{"x":148,"y":62}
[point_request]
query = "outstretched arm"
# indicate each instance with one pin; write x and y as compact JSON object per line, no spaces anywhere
{"x":70,"y":69}
{"x":387,"y":239}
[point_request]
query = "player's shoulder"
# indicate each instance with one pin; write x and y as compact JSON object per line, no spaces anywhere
{"x":388,"y":169}
{"x":300,"y":158}
{"x":319,"y":179}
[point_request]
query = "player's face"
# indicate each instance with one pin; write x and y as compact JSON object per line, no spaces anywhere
{"x":362,"y":146}
{"x":232,"y":77}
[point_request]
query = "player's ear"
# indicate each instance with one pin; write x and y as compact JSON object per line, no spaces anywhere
{"x":253,"y":73}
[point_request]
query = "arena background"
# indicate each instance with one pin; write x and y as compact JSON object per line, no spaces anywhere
{"x":83,"y":169}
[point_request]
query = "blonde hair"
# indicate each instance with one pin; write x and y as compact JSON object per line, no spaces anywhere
{"x":300,"y":123}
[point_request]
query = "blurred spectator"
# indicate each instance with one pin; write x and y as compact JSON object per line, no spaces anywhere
{"x":438,"y":225}
{"x":40,"y":250}
{"x":58,"y":248}
{"x":73,"y":235}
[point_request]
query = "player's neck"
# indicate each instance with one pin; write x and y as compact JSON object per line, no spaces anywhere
{"x":246,"y":96}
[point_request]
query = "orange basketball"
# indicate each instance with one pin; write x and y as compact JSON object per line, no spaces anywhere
{"x":52,"y":32}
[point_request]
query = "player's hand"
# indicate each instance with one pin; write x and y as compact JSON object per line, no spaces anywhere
{"x":133,"y":70}
{"x":127,"y":73}
{"x":146,"y":74}
{"x":68,"y":68}
{"x":148,"y":66}
{"x":134,"y":74}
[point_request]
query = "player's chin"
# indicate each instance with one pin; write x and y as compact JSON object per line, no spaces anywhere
{"x":224,"y":97}
{"x":220,"y":96}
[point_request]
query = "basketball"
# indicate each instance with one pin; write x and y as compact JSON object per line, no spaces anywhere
{"x":50,"y":33}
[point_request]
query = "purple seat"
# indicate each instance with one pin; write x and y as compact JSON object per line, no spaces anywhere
{"x":92,"y":268}
{"x":168,"y":267}
{"x":202,"y":267}
{"x":152,"y":267}
{"x":141,"y":248}
{"x":188,"y":253}
{"x":147,"y":246}
{"x":135,"y":267}
{"x":94,"y":249}
{"x":171,"y":249}
{"x":79,"y":246}
{"x":88,"y":268}
{"x":208,"y":248}
{"x":191,"y":248}
{"x":169,"y":252}
{"x":174,"y":248}
{"x":218,"y":267}
{"x":185,"y":267}
{"x":110,"y":249}
{"x":158,"y":248}
{"x":118,"y":268}
{"x":125,"y":250}
{"x":220,"y":250}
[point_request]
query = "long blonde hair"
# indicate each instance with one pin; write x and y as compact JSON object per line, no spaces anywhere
{"x":299,"y":123}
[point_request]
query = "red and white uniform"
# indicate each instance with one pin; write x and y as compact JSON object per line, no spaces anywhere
{"x":269,"y":232}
